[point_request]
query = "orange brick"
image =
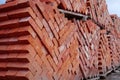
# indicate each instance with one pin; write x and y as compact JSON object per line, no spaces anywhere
{"x":52,"y":63}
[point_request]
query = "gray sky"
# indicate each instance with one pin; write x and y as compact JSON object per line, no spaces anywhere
{"x":113,"y":6}
{"x":2,"y":1}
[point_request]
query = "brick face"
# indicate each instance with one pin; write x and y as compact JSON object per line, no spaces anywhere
{"x":37,"y":42}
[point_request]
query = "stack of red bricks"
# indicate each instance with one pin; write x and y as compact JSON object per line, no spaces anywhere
{"x":116,"y":27}
{"x":37,"y":42}
{"x":115,"y":38}
{"x":73,"y":5}
{"x":99,"y":12}
{"x":104,"y":55}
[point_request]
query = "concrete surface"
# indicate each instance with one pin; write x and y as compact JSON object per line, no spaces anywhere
{"x":114,"y":76}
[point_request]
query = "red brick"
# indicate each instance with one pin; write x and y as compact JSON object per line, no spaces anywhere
{"x":39,"y":23}
{"x":24,"y":12}
{"x":21,"y":73}
{"x":9,"y":23}
{"x":48,"y":29}
{"x":47,"y":40}
{"x":3,"y":16}
{"x":52,"y":63}
{"x":47,"y":64}
{"x":8,"y":5}
{"x":55,"y":41}
{"x":2,"y":73}
{"x":11,"y":73}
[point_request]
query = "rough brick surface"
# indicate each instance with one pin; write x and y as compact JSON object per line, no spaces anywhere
{"x":37,"y":42}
